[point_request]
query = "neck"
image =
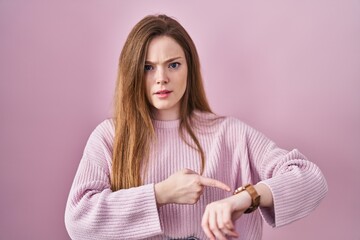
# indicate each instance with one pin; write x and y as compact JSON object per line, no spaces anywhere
{"x":166,"y":114}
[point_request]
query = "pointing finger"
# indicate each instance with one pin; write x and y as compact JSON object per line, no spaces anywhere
{"x":213,"y":183}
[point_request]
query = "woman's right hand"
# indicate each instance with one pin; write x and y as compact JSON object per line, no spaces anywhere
{"x":184,"y":187}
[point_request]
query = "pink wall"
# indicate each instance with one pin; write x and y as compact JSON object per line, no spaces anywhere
{"x":291,"y":69}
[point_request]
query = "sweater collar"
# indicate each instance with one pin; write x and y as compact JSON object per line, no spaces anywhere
{"x":166,"y":124}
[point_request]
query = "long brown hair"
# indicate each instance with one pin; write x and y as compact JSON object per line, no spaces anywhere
{"x":132,"y":116}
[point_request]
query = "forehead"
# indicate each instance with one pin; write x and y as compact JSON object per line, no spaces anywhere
{"x":162,"y":48}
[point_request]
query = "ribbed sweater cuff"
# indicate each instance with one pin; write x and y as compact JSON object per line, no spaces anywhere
{"x":146,"y":206}
{"x":291,"y":192}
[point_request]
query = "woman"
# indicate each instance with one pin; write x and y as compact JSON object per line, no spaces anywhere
{"x":165,"y":165}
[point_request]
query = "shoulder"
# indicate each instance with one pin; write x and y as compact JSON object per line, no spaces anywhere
{"x":234,"y":122}
{"x":220,"y":123}
{"x":237,"y":131}
{"x":238,"y":126}
{"x":105,"y":127}
{"x":103,"y":133}
{"x":227,"y":122}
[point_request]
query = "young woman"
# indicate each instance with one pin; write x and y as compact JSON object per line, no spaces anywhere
{"x":166,"y":167}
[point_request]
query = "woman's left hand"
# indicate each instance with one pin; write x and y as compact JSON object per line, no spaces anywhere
{"x":219,"y":217}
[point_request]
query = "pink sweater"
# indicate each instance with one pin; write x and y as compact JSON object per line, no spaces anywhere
{"x":236,"y":154}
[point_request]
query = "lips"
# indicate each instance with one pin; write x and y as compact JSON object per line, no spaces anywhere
{"x":163,"y":92}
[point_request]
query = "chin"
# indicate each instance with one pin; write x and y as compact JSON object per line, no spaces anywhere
{"x":162,"y":107}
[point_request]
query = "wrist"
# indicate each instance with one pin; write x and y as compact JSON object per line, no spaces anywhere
{"x":253,"y":197}
{"x":242,"y":201}
{"x":265,"y":193}
{"x":160,"y":195}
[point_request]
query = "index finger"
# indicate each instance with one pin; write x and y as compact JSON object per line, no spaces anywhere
{"x":213,"y":183}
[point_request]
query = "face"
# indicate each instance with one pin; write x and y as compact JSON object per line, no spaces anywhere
{"x":165,"y":76}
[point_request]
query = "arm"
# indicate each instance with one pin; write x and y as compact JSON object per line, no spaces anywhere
{"x":297,"y":185}
{"x":283,"y":180}
{"x":93,"y":211}
{"x":266,"y":199}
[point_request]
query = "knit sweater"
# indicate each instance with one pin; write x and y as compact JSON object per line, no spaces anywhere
{"x":235,"y":153}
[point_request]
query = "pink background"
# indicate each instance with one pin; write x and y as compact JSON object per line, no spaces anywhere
{"x":291,"y":69}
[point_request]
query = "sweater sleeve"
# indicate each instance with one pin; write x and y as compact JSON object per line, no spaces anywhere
{"x":93,"y":211}
{"x":297,"y":184}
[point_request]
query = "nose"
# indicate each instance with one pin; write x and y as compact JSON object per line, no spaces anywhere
{"x":161,"y":76}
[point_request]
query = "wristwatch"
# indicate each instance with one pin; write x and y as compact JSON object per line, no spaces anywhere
{"x":255,"y":197}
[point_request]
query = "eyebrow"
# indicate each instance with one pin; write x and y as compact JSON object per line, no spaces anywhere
{"x":167,"y":61}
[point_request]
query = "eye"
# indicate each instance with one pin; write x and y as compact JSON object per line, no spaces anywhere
{"x":148,"y":67}
{"x":174,"y":65}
